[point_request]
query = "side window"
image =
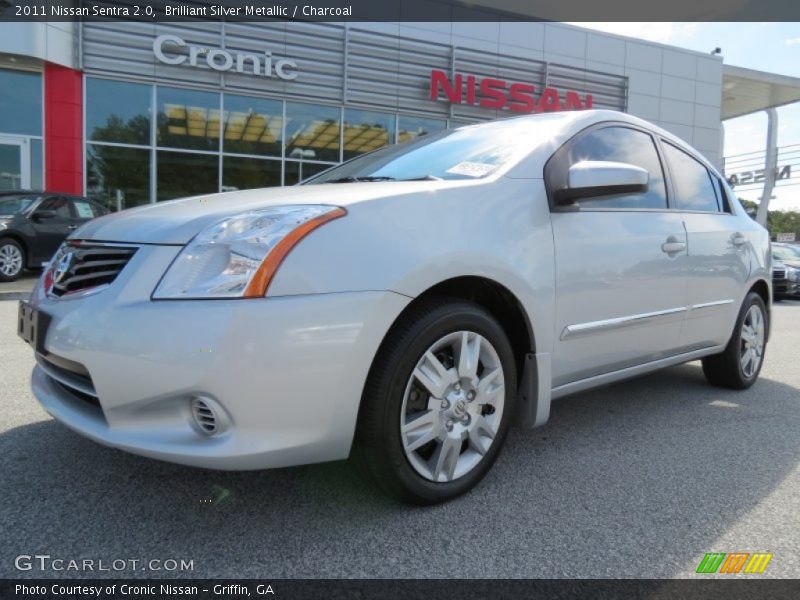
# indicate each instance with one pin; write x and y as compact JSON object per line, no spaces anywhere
{"x":622,"y":144}
{"x":694,"y":189}
{"x":59,"y":205}
{"x":85,"y":209}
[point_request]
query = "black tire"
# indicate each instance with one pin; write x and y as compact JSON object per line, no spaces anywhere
{"x":378,"y":450}
{"x":725,"y":369}
{"x":9,"y":242}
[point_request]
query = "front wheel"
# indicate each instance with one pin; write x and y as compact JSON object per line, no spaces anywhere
{"x":739,"y":365}
{"x":438,"y":402}
{"x":12,"y":260}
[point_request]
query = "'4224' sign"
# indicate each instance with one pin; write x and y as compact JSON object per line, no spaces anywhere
{"x":757,"y":176}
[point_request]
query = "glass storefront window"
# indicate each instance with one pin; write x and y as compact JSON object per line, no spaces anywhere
{"x":244,"y":173}
{"x":118,"y":178}
{"x":37,"y":165}
{"x":260,"y":142}
{"x":20,"y":102}
{"x":312,"y":132}
{"x":181,"y":174}
{"x":252,"y":125}
{"x":187,"y":119}
{"x":118,"y":111}
{"x":297,"y":171}
{"x":365,"y":131}
{"x":409,"y":128}
{"x":10,"y":167}
{"x":453,"y":124}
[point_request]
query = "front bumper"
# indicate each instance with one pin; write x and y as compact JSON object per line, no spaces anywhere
{"x":286,"y":373}
{"x":783,"y":288}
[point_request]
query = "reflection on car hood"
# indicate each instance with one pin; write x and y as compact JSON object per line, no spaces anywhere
{"x":178,"y":221}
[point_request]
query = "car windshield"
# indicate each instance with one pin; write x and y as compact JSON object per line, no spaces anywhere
{"x":15,"y":203}
{"x":786,"y":253}
{"x":470,"y":152}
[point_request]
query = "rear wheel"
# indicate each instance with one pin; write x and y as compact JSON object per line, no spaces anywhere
{"x":438,"y":402}
{"x":12,"y":260}
{"x":739,"y":365}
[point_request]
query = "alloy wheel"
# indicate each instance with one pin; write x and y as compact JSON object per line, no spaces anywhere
{"x":452,"y":406}
{"x":10,"y":260}
{"x":752,"y":341}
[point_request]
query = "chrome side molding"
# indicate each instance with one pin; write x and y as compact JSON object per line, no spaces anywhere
{"x":578,"y":329}
{"x":711,"y":304}
{"x":571,"y":331}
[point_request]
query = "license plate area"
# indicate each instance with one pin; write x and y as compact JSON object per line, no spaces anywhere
{"x":32,"y":326}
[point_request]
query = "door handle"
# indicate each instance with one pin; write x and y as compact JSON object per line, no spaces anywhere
{"x":673,"y":245}
{"x":72,"y":227}
{"x":738,"y":239}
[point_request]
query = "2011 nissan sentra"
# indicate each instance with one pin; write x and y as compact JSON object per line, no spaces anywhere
{"x":407,"y":306}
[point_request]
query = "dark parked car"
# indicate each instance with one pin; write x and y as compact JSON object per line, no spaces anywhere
{"x":785,"y":271}
{"x":33,"y":224}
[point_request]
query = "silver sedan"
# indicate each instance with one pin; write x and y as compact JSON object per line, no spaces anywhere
{"x":405,"y":307}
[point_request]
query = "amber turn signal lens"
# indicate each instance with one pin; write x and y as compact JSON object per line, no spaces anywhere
{"x":259,"y":284}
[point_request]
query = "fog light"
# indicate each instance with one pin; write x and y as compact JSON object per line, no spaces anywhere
{"x":205,"y":416}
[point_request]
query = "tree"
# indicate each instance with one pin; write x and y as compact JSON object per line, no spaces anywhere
{"x":778,"y":221}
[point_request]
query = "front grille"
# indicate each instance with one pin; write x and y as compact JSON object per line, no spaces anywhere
{"x":69,"y":376}
{"x":778,"y":274}
{"x":90,"y":265}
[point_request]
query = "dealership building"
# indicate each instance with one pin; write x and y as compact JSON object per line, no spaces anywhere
{"x":132,"y":112}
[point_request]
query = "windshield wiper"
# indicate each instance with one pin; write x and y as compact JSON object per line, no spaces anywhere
{"x":367,"y":178}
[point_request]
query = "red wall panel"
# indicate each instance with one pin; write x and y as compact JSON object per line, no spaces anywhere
{"x":63,"y":129}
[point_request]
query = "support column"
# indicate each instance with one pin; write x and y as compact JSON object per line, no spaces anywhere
{"x":770,"y":166}
{"x":63,"y":129}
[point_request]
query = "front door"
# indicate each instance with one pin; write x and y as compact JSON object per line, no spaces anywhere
{"x":620,"y":265}
{"x":15,"y":172}
{"x":52,"y":221}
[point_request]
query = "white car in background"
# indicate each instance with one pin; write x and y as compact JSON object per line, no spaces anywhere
{"x":408,"y":305}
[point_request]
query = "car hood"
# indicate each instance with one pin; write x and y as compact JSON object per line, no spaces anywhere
{"x":789,"y":263}
{"x":178,"y":221}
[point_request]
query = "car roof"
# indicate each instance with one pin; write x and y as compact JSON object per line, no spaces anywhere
{"x":19,"y":192}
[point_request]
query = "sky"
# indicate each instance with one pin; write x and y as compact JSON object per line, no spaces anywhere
{"x":772,"y":47}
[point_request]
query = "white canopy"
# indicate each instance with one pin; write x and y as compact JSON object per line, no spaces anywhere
{"x":746,"y":91}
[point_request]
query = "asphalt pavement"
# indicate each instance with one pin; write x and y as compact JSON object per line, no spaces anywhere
{"x":19,"y":289}
{"x":638,"y":479}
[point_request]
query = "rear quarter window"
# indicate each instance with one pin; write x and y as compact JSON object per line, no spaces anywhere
{"x":694,"y":186}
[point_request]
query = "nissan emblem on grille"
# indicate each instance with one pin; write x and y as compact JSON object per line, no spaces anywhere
{"x":63,"y":266}
{"x":80,"y":267}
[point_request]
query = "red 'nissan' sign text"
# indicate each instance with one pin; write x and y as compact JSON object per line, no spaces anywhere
{"x":499,"y":93}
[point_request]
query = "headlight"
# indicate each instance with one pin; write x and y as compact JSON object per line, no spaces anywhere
{"x":238,"y":256}
{"x":792,"y":274}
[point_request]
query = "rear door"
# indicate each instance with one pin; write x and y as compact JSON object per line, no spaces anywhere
{"x":718,"y":265}
{"x":84,"y":211}
{"x":620,"y":263}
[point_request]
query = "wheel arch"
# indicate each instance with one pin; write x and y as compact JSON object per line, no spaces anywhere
{"x":761,"y":287}
{"x":500,"y":302}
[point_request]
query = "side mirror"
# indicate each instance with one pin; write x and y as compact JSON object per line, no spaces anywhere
{"x":594,"y":178}
{"x":41,"y":215}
